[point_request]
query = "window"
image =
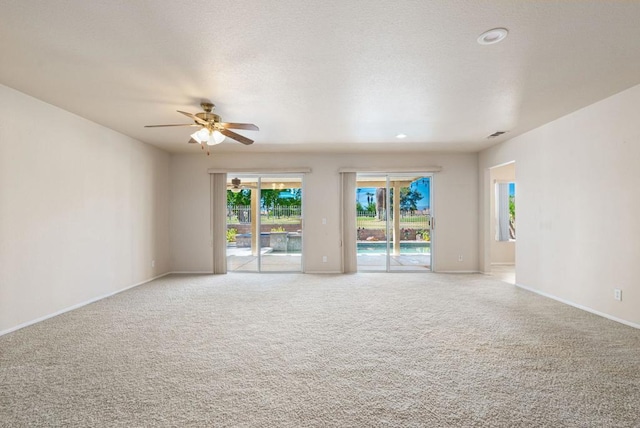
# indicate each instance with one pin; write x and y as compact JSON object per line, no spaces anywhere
{"x":505,"y":211}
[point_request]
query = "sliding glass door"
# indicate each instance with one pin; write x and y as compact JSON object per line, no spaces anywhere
{"x":281,"y":222}
{"x":393,"y":222}
{"x":264,"y":223}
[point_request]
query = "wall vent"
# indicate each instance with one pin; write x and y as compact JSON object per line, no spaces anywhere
{"x":497,"y":134}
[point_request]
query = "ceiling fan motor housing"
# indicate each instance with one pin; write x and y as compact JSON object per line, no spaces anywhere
{"x":209,"y":117}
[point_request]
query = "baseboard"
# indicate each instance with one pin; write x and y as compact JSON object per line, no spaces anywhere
{"x":456,"y":271}
{"x":503,"y":264}
{"x":76,"y":306}
{"x":578,"y":306}
{"x":192,"y":272}
{"x":316,"y":272}
{"x":198,"y":272}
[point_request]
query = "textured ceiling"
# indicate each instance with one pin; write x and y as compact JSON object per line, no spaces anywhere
{"x":322,"y":75}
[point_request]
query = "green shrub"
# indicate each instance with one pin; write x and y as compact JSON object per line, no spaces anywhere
{"x":424,"y":233}
{"x":231,"y":235}
{"x":278,"y":229}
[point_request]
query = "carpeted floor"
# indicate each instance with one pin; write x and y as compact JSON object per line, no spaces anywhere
{"x":293,"y":350}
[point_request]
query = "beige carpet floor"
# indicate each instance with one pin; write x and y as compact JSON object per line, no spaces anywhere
{"x":293,"y":350}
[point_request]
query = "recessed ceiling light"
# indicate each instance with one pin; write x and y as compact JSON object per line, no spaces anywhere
{"x":401,"y":136}
{"x":493,"y":36}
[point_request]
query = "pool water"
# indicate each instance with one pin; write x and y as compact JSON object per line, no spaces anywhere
{"x":380,"y":247}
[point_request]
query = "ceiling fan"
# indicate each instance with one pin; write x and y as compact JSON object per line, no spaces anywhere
{"x":212,"y":130}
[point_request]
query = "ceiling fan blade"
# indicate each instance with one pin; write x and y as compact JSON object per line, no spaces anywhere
{"x":194,"y":117}
{"x":247,"y":126}
{"x":159,"y":126}
{"x":237,"y":137}
{"x":192,"y":141}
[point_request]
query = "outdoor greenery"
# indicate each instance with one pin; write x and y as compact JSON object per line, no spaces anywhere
{"x":231,"y":234}
{"x":241,"y":214}
{"x":512,"y":217}
{"x":512,"y":208}
{"x":369,"y":209}
{"x":368,"y":222}
{"x":282,"y":207}
{"x":243,"y":197}
{"x":424,"y":234}
{"x":409,"y":199}
{"x":269,"y":198}
{"x":264,"y":219}
{"x":276,"y":206}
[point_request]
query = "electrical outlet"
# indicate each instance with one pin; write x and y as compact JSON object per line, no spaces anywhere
{"x":617,"y":294}
{"x":460,"y":258}
{"x":324,"y":221}
{"x":153,"y":263}
{"x":324,"y":259}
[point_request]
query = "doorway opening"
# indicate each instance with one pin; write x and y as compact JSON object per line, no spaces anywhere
{"x":503,"y":231}
{"x":394,"y":222}
{"x":264,"y":223}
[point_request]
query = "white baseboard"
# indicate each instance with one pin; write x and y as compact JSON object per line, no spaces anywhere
{"x":457,"y":271}
{"x":503,"y":264}
{"x":576,"y":305}
{"x":203,"y":272}
{"x":191,"y":272}
{"x":76,"y":306}
{"x":315,"y":272}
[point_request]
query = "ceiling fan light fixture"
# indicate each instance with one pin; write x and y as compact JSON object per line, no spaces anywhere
{"x":208,"y":137}
{"x":203,"y":134}
{"x":197,"y":137}
{"x":218,"y":137}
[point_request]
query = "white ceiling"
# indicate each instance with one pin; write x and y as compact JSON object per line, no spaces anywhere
{"x":330,"y":75}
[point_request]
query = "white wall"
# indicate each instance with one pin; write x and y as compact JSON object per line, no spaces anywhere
{"x":83,"y":210}
{"x":455,"y":202}
{"x":578,"y":202}
{"x":502,"y":252}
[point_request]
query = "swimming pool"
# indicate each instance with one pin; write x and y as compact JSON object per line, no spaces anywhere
{"x":380,"y":247}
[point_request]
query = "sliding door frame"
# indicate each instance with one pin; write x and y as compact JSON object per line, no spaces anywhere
{"x":274,"y":174}
{"x":389,"y":210}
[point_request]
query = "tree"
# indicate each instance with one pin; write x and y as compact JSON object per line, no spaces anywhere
{"x":297,"y":195}
{"x":409,"y":199}
{"x":242,"y":198}
{"x":294,"y":201}
{"x":269,"y":198}
{"x":369,"y":210}
{"x":512,"y":208}
{"x":512,"y":217}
